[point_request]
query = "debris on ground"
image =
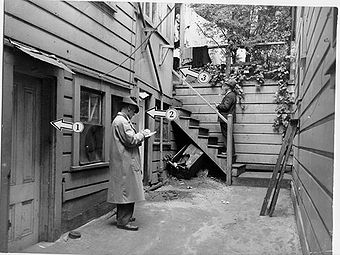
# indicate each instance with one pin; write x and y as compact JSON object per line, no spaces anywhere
{"x":186,"y":163}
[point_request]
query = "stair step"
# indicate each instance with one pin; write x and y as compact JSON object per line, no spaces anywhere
{"x":201,"y":130}
{"x":203,"y":136}
{"x":183,"y":112}
{"x":192,"y":121}
{"x":259,"y":179}
{"x":216,"y":147}
{"x":213,"y":140}
{"x":238,"y":169}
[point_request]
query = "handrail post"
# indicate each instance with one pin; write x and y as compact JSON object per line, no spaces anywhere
{"x":229,"y":149}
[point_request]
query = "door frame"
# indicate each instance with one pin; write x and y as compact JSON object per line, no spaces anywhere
{"x":50,"y":181}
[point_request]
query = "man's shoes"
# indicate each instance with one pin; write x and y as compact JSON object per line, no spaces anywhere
{"x":128,"y":227}
{"x":132,"y":219}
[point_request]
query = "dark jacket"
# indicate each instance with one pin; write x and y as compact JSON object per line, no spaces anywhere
{"x":228,"y":105}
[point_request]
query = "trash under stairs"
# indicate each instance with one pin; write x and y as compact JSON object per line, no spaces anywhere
{"x":208,"y":144}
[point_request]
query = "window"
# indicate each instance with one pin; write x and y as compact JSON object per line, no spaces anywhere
{"x":150,"y":12}
{"x":166,"y":126}
{"x":91,"y":139}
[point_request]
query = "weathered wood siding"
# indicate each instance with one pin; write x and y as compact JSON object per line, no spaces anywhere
{"x":314,"y":144}
{"x":93,"y":42}
{"x":146,"y":72}
{"x":256,"y":143}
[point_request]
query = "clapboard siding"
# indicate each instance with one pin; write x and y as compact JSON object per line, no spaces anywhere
{"x":314,"y":144}
{"x":249,"y":108}
{"x":81,"y":41}
{"x":84,"y":178}
{"x":315,"y":137}
{"x":321,"y":199}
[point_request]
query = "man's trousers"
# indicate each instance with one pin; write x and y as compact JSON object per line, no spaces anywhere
{"x":124,"y":213}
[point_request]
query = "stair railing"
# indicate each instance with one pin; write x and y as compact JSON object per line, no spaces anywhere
{"x":229,"y":122}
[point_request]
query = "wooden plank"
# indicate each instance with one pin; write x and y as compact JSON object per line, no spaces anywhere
{"x":67,"y":162}
{"x":306,"y":223}
{"x":258,"y":159}
{"x":72,"y":194}
{"x":317,"y":48}
{"x":315,"y":85}
{"x":314,"y":223}
{"x":254,"y":118}
{"x":321,"y":200}
{"x":254,"y":128}
{"x":68,"y":106}
{"x":248,"y":108}
{"x":67,"y":143}
{"x":185,"y":91}
{"x":155,"y":167}
{"x":258,"y":148}
{"x":320,"y":137}
{"x":80,"y":35}
{"x":68,"y":88}
{"x":250,"y":98}
{"x":319,"y":166}
{"x":97,"y":15}
{"x":82,"y":56}
{"x":84,"y":178}
{"x":316,"y":28}
{"x":258,"y":138}
{"x":240,"y":118}
{"x":320,"y":108}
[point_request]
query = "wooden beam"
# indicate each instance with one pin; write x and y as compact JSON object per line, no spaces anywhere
{"x":229,"y":149}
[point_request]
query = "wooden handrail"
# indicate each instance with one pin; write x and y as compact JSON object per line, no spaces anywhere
{"x":191,"y":87}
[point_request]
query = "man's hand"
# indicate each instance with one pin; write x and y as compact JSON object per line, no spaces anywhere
{"x":146,"y":132}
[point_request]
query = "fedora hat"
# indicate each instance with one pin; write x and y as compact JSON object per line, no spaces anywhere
{"x":129,"y":101}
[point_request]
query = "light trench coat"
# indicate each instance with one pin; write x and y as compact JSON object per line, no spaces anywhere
{"x":126,"y":184}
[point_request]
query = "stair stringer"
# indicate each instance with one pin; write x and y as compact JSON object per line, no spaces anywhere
{"x":201,"y":143}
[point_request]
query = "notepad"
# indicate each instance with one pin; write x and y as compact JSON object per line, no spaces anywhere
{"x":150,"y":134}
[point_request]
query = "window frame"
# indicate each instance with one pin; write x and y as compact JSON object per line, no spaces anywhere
{"x":100,"y":123}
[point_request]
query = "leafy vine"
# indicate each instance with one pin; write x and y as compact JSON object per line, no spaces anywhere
{"x":278,"y":71}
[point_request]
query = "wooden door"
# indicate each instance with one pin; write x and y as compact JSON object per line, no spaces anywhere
{"x":25,"y":172}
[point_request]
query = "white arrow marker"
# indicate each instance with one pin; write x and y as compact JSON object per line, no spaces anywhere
{"x":153,"y":112}
{"x":60,"y":124}
{"x":187,"y":71}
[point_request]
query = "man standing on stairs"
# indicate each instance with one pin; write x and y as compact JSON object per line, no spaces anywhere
{"x":227,"y":106}
{"x":126,"y":186}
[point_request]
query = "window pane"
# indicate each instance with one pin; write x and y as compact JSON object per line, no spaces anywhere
{"x":154,"y":10}
{"x":84,"y":106}
{"x":91,"y":144}
{"x":147,"y":9}
{"x":90,"y":107}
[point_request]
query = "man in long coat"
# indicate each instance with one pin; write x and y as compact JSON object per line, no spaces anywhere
{"x":126,"y":186}
{"x":227,"y":106}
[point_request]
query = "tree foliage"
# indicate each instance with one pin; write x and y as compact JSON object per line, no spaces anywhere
{"x":247,"y":26}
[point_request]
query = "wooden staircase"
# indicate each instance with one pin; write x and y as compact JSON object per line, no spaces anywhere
{"x":208,"y":144}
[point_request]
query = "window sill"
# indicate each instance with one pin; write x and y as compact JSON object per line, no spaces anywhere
{"x":89,"y":166}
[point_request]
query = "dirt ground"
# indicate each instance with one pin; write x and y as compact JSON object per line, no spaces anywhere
{"x":197,"y":216}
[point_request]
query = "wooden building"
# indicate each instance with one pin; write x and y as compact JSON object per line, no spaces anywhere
{"x":313,"y":146}
{"x":74,"y":61}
